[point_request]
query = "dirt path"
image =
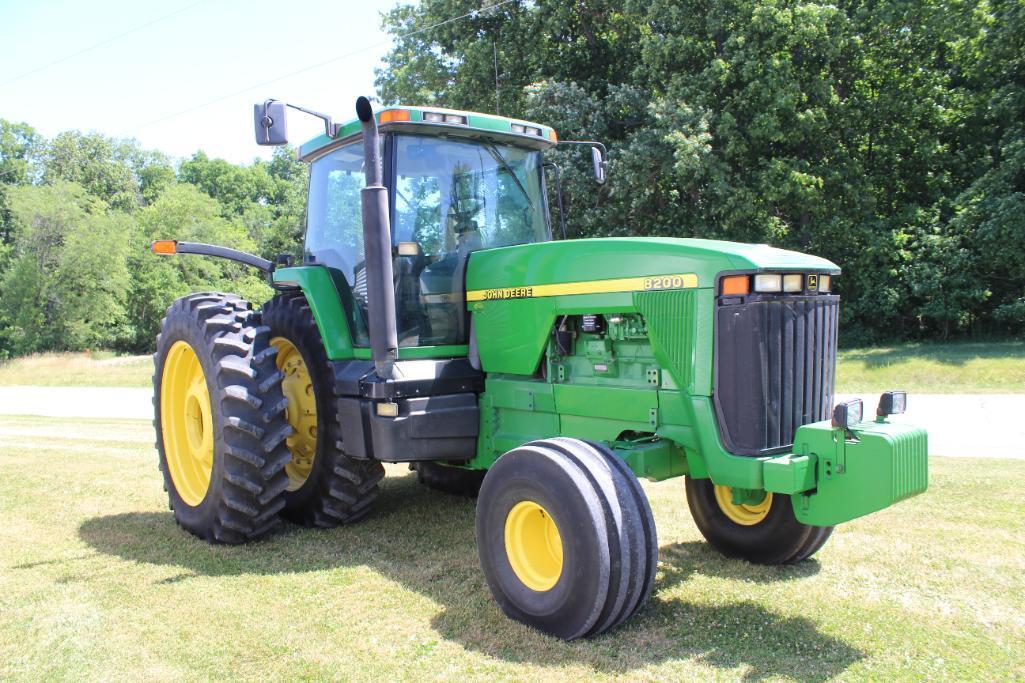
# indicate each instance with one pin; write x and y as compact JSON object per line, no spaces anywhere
{"x":77,"y":402}
{"x":968,"y":425}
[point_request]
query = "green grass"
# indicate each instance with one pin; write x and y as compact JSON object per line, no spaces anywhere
{"x":951,"y":368}
{"x":97,"y":582}
{"x":98,"y":369}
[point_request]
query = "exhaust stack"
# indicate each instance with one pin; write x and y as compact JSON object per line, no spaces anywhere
{"x":384,"y":342}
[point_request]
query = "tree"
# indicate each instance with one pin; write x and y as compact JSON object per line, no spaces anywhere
{"x":67,"y":283}
{"x":183,"y":212}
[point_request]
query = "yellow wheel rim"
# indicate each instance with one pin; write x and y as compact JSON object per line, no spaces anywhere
{"x":301,"y":412}
{"x":744,"y":514}
{"x":534,"y":546}
{"x":186,"y":423}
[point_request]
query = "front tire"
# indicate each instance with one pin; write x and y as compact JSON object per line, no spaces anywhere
{"x":326,"y":487}
{"x":565,"y":537}
{"x":766,"y":532}
{"x":219,"y":418}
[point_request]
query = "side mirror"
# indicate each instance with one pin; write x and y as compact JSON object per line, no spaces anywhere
{"x":598,"y":160}
{"x":270,"y":123}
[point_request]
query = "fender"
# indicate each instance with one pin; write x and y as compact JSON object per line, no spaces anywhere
{"x":317,"y":283}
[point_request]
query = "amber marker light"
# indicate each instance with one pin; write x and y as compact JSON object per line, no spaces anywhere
{"x":735,"y":285}
{"x":164,"y":247}
{"x":393,"y":115}
{"x":552,"y":136}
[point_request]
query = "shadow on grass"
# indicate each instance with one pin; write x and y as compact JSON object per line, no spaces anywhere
{"x":956,"y":353}
{"x":424,"y":541}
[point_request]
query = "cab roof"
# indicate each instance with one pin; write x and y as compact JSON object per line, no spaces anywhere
{"x":437,"y":121}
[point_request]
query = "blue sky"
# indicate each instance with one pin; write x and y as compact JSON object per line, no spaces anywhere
{"x":208,"y":49}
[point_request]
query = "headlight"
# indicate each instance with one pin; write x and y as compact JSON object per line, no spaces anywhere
{"x":793,"y":282}
{"x":824,"y":283}
{"x":768,"y":282}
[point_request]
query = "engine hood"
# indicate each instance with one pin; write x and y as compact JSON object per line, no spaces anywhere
{"x":573,"y":261}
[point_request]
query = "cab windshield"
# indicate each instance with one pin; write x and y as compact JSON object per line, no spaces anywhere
{"x":450,"y":197}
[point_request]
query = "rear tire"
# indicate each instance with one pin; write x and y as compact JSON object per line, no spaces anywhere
{"x":767,"y":533}
{"x":219,"y":418}
{"x":326,"y":486}
{"x":455,"y":480}
{"x":565,"y":537}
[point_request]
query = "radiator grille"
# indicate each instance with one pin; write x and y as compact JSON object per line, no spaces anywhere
{"x":775,"y":369}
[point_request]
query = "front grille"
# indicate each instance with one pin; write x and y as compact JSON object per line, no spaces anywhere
{"x":775,"y":368}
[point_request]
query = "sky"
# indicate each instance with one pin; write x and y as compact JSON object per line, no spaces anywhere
{"x":144,"y":84}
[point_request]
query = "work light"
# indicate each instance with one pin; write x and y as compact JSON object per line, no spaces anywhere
{"x":892,"y":403}
{"x":434,"y":117}
{"x":524,"y":130}
{"x":848,"y":413}
{"x":768,"y":282}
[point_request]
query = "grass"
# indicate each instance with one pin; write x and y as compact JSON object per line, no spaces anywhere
{"x":97,"y":369}
{"x":951,"y":368}
{"x":97,"y":582}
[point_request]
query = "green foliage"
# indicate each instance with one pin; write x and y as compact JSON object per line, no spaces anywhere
{"x":66,"y":285}
{"x":77,"y":216}
{"x":887,"y":137}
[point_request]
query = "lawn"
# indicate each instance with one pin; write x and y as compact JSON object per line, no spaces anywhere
{"x":97,"y":582}
{"x":953,"y":368}
{"x":98,"y":369}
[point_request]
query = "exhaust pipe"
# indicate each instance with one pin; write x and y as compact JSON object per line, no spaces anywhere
{"x":384,"y":340}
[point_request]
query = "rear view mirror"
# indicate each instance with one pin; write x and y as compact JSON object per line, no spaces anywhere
{"x":599,"y":165}
{"x":270,"y":123}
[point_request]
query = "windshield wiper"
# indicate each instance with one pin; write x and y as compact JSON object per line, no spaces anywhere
{"x":497,"y":156}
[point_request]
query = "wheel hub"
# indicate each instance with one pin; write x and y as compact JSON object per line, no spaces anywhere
{"x":297,"y":386}
{"x":533,"y":545}
{"x":186,"y":423}
{"x":745,"y":514}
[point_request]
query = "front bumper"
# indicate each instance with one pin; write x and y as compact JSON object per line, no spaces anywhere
{"x":834,"y":478}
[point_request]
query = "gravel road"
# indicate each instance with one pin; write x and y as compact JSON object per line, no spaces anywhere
{"x":968,"y":425}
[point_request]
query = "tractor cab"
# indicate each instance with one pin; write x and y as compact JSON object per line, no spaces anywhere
{"x":457,"y":182}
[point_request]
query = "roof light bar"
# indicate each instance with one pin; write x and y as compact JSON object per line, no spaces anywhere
{"x":439,"y":117}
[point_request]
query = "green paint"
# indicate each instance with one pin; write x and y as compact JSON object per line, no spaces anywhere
{"x":652,"y":458}
{"x":414,"y":352}
{"x":325,"y":303}
{"x":885,"y":463}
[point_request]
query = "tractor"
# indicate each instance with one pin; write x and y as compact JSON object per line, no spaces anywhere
{"x":435,"y":320}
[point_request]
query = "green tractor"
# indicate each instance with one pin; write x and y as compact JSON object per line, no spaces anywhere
{"x":435,"y":321}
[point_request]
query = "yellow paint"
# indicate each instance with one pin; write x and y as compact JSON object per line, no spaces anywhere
{"x":533,"y":546}
{"x":301,"y":412}
{"x":743,"y":514}
{"x":186,"y":423}
{"x":626,"y":284}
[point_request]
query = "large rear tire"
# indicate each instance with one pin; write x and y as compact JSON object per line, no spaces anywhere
{"x":326,"y":487}
{"x":565,"y":537}
{"x":763,"y":533}
{"x":219,"y":418}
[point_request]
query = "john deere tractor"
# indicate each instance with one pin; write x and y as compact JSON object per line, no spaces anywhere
{"x":434,"y":320}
